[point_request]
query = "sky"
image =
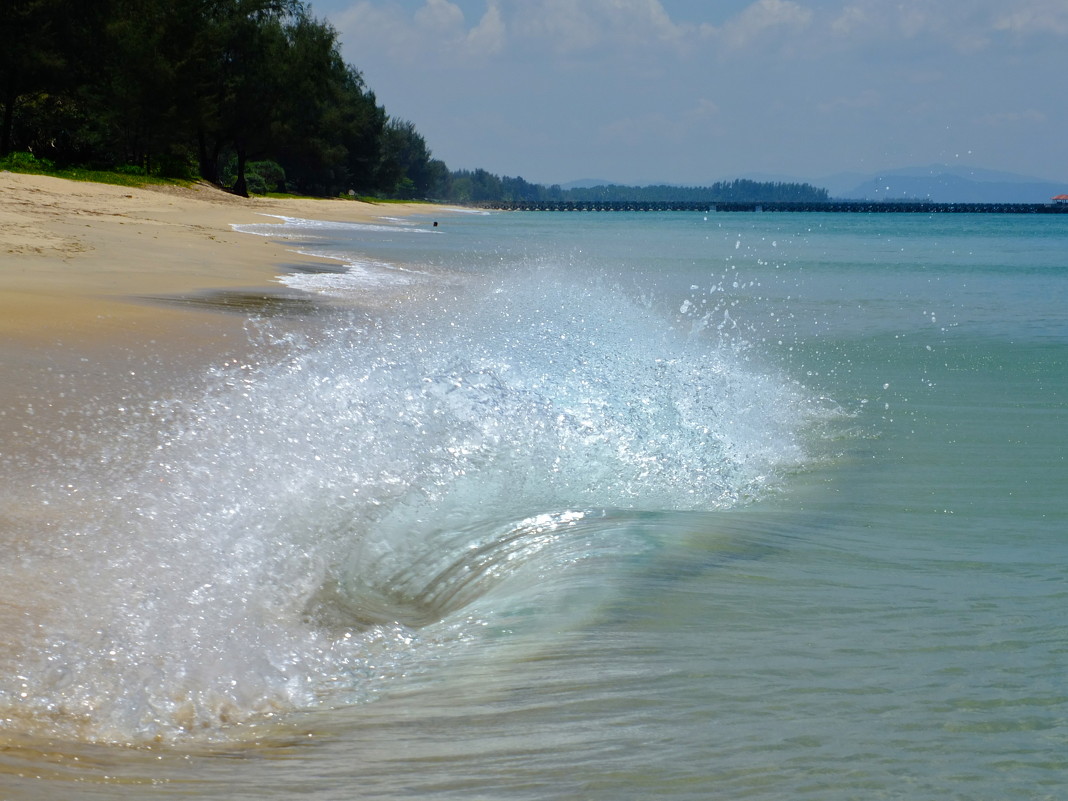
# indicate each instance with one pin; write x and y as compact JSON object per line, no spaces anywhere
{"x":695,"y":91}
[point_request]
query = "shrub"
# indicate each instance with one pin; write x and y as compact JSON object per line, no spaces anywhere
{"x":260,"y":176}
{"x":175,"y":166}
{"x":25,"y":162}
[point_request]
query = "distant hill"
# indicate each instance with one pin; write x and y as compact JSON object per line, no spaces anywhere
{"x":945,"y":184}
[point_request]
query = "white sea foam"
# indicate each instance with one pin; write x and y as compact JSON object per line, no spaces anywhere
{"x":293,"y":227}
{"x":336,"y":516}
{"x":356,"y":276}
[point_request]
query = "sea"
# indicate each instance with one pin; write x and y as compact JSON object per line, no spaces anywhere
{"x":521,"y":505}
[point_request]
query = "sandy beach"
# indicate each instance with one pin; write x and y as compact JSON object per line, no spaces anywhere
{"x":110,"y":292}
{"x":81,"y":263}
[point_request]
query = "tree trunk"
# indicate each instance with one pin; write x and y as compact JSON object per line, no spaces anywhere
{"x":240,"y":185}
{"x":209,"y":162}
{"x":10,"y":98}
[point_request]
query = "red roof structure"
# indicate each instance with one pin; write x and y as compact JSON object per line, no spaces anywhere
{"x":1060,"y":199}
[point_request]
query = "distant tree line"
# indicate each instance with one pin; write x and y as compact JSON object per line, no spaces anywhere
{"x":741,"y":190}
{"x":477,"y":186}
{"x":237,"y":91}
{"x":249,"y":94}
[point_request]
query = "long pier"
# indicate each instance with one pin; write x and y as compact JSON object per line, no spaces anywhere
{"x":595,"y":205}
{"x":838,"y":206}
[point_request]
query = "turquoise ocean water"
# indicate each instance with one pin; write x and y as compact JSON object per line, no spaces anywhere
{"x":598,"y":506}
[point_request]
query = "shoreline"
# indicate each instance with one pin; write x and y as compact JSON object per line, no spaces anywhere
{"x":109,"y":293}
{"x":85,"y":263}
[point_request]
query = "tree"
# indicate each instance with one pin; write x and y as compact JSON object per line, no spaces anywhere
{"x":305,"y":127}
{"x":32,"y":57}
{"x":363,"y":125}
{"x":153,"y":82}
{"x":240,"y":58}
{"x":405,"y":157}
{"x":330,"y":128}
{"x":438,"y":179}
{"x":255,"y":62}
{"x":141,"y":96}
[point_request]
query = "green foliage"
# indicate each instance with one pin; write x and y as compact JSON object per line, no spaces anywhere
{"x":181,"y":88}
{"x":405,"y":169}
{"x":130,"y":169}
{"x":261,"y":177}
{"x":27,"y":163}
{"x":177,"y":166}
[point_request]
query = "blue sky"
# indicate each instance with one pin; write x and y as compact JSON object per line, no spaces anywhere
{"x":681,"y":91}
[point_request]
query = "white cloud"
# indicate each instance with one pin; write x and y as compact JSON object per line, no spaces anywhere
{"x":443,"y":23}
{"x":966,"y":26}
{"x":565,"y":26}
{"x":1035,"y":16}
{"x":440,"y":17}
{"x":365,"y":25}
{"x":568,"y":26}
{"x":437,"y":28}
{"x":865,"y":19}
{"x":763,"y":17}
{"x":851,"y":20}
{"x":489,"y":36}
{"x":647,"y":19}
